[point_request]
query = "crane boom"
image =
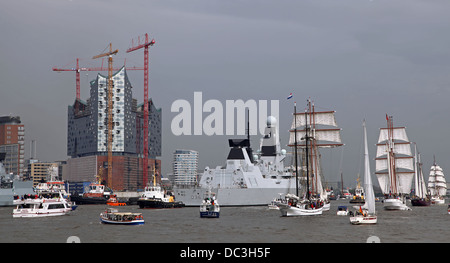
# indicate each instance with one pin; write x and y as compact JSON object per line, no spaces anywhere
{"x":77,"y":70}
{"x":144,"y":45}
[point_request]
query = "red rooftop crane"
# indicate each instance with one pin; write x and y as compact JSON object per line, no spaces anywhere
{"x":134,"y":47}
{"x":78,"y":69}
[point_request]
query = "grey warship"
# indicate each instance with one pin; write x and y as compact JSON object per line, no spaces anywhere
{"x":247,"y":179}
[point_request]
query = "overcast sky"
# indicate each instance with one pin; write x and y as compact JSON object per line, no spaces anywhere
{"x":361,"y":58}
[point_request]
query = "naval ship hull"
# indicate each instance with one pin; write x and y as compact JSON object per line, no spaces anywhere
{"x":231,"y":196}
{"x":20,"y":188}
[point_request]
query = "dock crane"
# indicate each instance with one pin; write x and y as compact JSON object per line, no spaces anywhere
{"x":134,"y":47}
{"x":110,"y":93}
{"x":78,"y":70}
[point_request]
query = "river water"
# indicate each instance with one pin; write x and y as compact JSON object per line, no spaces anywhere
{"x":235,"y":225}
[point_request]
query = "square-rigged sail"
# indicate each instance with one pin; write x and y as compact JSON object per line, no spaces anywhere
{"x":324,"y":129}
{"x":394,"y":163}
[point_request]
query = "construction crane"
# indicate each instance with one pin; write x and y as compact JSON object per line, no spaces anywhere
{"x":78,"y":69}
{"x":134,"y":47}
{"x":110,"y":108}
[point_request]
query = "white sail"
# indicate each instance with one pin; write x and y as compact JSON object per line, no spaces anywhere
{"x":323,"y":128}
{"x":399,"y":134}
{"x":368,"y":187}
{"x":393,"y":143}
{"x":420,"y":188}
{"x":437,"y":184}
{"x":323,"y":132}
{"x":318,"y":117}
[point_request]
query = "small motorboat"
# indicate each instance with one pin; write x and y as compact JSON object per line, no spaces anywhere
{"x":112,"y":201}
{"x":113,"y":216}
{"x":210,"y":207}
{"x":342,"y":210}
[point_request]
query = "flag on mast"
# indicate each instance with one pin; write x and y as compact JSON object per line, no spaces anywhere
{"x":290,"y":96}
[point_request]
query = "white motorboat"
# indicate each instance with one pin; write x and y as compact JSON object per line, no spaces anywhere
{"x":210,"y":207}
{"x":41,"y":207}
{"x":395,"y":203}
{"x":342,"y":210}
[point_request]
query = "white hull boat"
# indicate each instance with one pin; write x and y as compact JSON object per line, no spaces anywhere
{"x":438,"y":201}
{"x":363,"y":220}
{"x":42,"y":208}
{"x":395,"y":204}
{"x":299,"y":210}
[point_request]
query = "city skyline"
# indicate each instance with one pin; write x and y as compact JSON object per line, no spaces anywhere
{"x":364,"y":59}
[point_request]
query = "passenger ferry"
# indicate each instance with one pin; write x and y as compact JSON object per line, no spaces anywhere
{"x":41,"y":206}
{"x":113,"y":216}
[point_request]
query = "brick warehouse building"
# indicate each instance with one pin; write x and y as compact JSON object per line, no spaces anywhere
{"x":12,"y":143}
{"x":87,"y":135}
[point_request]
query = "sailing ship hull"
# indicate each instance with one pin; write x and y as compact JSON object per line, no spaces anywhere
{"x":420,"y":202}
{"x":363,"y":220}
{"x":158,"y":204}
{"x":287,"y":210}
{"x":438,"y":201}
{"x":394,"y":204}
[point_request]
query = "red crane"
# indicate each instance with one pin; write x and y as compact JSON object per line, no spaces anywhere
{"x":134,"y":47}
{"x":78,"y":69}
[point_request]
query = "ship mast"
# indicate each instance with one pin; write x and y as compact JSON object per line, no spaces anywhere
{"x":306,"y":138}
{"x":391,"y":155}
{"x":295,"y":150}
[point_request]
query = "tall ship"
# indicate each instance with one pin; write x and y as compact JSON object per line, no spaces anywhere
{"x":437,"y":184}
{"x":247,"y":179}
{"x":394,"y":165}
{"x":421,"y":196}
{"x":310,"y":131}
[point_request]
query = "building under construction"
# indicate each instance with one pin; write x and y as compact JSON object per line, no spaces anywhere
{"x":87,"y":133}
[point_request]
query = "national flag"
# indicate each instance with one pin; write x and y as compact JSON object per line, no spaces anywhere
{"x":290,"y":96}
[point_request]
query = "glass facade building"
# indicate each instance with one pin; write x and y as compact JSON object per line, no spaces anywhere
{"x":185,"y":165}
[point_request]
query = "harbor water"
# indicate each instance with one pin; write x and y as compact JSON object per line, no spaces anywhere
{"x":235,"y":225}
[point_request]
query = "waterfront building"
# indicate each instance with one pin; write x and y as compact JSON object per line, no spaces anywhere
{"x":39,"y":172}
{"x":12,"y":142}
{"x":185,"y":165}
{"x":87,"y":133}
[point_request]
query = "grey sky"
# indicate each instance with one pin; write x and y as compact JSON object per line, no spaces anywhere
{"x":361,"y":58}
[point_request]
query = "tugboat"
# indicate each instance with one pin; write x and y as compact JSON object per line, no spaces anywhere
{"x":97,"y":194}
{"x":358,"y":198}
{"x":113,"y":216}
{"x":210,"y":207}
{"x":155,"y":197}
